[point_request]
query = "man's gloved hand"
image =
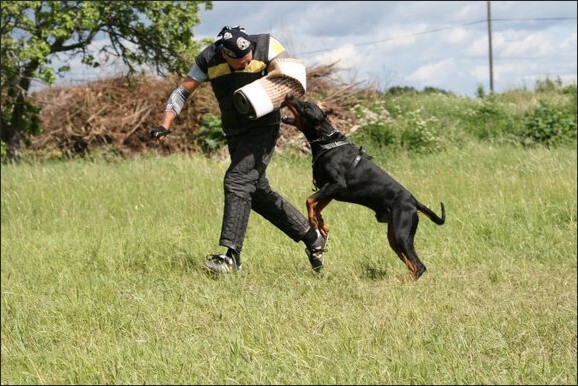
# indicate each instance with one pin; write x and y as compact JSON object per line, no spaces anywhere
{"x":159,"y":132}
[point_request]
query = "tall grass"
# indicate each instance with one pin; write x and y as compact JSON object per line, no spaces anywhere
{"x":102,"y":278}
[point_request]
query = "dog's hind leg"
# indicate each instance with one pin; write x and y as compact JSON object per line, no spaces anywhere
{"x":400,"y":234}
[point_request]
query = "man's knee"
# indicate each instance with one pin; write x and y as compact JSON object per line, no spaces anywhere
{"x":239,"y":185}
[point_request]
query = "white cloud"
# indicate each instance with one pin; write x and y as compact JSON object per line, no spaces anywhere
{"x":459,"y":35}
{"x":345,"y":56}
{"x":569,"y":44}
{"x":433,"y":74}
{"x":517,"y":44}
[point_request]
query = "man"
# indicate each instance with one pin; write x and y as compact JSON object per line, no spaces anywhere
{"x":233,"y":61}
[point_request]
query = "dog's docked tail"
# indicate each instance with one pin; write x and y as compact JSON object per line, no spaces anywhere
{"x":431,"y":214}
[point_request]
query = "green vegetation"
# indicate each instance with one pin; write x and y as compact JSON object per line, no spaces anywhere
{"x":102,"y":278}
{"x":431,"y":122}
{"x":210,"y":137}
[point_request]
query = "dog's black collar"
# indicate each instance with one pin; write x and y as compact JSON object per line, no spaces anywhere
{"x":325,"y":137}
{"x":331,"y":145}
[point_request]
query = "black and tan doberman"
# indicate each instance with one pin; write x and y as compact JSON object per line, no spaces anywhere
{"x":342,"y":172}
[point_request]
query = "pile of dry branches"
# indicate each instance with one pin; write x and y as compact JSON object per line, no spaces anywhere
{"x":118,"y":114}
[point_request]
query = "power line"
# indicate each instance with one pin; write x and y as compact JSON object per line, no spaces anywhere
{"x":536,"y":19}
{"x":442,"y":29}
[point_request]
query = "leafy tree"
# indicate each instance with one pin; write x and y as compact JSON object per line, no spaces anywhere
{"x":154,"y":33}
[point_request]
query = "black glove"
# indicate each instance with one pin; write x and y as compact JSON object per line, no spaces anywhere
{"x":159,"y":132}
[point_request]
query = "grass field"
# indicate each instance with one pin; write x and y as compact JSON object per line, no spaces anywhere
{"x":102,"y":279}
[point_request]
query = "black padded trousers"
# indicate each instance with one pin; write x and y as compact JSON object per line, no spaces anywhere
{"x":246,"y":187}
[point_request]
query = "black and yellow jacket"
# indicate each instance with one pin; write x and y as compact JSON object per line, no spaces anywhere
{"x":225,"y":81}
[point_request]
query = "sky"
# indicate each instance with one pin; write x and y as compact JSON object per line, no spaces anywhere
{"x":441,"y":44}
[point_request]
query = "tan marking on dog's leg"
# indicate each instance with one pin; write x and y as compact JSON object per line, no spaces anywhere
{"x":323,"y":228}
{"x":311,"y":204}
{"x":412,"y":267}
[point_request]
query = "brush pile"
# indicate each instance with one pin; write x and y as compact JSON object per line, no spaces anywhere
{"x":117,"y":114}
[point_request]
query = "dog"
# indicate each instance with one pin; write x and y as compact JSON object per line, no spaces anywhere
{"x":343,"y":172}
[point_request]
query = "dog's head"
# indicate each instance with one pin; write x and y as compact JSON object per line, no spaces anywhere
{"x":307,"y":118}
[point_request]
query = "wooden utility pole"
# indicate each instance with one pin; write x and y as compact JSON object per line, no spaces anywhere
{"x":490,"y":47}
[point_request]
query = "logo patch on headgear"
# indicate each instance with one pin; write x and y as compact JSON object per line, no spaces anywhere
{"x":243,"y":43}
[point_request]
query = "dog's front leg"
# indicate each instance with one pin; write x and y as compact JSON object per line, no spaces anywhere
{"x":323,"y":228}
{"x":311,"y":204}
{"x":314,"y":208}
{"x":319,"y":200}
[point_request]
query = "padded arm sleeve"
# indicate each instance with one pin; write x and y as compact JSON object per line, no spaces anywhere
{"x":177,"y":100}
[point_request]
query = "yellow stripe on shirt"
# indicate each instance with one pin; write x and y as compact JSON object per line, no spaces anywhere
{"x":224,"y":69}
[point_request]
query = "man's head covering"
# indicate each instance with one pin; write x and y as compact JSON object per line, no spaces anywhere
{"x":235,"y":41}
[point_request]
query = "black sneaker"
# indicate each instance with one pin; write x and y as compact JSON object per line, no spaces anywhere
{"x":221,"y":264}
{"x":315,"y":252}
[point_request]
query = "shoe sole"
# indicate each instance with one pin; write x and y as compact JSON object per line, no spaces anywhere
{"x":226,"y":270}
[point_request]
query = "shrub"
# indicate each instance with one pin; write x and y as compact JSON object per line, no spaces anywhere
{"x":490,"y":118}
{"x":210,"y":137}
{"x":420,"y":135}
{"x":407,"y":131}
{"x":548,"y":125}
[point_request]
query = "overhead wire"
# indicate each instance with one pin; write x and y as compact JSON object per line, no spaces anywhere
{"x":392,"y":38}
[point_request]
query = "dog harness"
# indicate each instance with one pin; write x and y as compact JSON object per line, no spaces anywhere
{"x":326,"y":147}
{"x":332,"y":145}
